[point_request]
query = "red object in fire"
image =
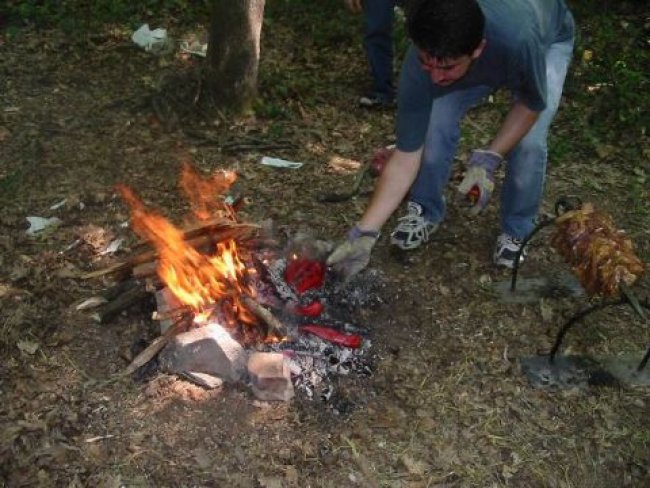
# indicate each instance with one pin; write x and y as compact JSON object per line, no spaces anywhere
{"x":305,"y":274}
{"x":340,"y":338}
{"x":313,"y":309}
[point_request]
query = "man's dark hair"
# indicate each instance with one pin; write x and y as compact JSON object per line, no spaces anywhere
{"x":445,"y":28}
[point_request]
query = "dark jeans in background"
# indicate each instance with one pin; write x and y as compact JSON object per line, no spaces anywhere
{"x":378,"y":42}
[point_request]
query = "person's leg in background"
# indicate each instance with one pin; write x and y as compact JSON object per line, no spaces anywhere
{"x":378,"y":43}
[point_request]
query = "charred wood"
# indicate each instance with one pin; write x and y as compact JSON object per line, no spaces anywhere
{"x":262,"y":313}
{"x":158,"y":343}
{"x":121,"y":302}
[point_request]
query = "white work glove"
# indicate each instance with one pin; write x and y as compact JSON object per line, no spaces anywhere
{"x":478,"y":182}
{"x":353,"y":255}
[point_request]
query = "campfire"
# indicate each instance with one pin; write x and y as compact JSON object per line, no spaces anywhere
{"x":235,"y":305}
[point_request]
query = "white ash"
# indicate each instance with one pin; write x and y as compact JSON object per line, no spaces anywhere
{"x":275,"y":272}
{"x":364,"y":290}
{"x":314,"y":364}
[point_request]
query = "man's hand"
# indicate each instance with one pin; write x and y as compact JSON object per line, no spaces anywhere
{"x":354,"y":6}
{"x":353,"y":255}
{"x":478,"y":182}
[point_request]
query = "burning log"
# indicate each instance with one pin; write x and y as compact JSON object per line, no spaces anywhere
{"x":212,"y":236}
{"x":213,"y":226}
{"x":264,"y":314}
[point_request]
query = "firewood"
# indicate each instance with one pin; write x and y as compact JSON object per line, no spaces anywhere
{"x":157,"y":344}
{"x":197,"y":229}
{"x":120,"y":287}
{"x":123,"y":301}
{"x":264,"y":314}
{"x":203,"y":244}
{"x":171,"y":314}
{"x":145,"y":270}
{"x":237,"y":232}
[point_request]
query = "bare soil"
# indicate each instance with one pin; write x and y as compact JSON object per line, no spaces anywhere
{"x":448,"y":404}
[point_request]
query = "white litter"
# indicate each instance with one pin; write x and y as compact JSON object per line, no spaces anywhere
{"x":112,"y":247}
{"x":38,"y":224}
{"x":150,"y":40}
{"x":91,"y":303}
{"x":280,"y":163}
{"x":59,"y":204}
{"x":195,"y":48}
{"x":28,"y":347}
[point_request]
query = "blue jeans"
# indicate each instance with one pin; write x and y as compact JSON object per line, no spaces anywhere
{"x":523,"y":187}
{"x":378,"y":43}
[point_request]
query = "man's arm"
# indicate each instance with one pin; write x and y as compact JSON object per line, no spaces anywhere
{"x":515,"y":126}
{"x":392,"y":187}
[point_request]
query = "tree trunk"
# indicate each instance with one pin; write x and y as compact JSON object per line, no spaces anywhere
{"x":230,"y":78}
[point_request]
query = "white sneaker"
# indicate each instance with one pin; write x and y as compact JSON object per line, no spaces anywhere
{"x":412,"y":229}
{"x":375,"y":99}
{"x":506,"y":251}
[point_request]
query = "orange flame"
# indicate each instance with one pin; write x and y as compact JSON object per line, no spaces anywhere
{"x":204,"y":193}
{"x":197,"y":280}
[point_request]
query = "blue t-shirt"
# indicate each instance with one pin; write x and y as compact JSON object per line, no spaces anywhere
{"x":518,"y":33}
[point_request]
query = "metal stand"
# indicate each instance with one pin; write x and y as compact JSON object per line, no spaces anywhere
{"x":582,"y":314}
{"x":546,"y":221}
{"x":563,"y":205}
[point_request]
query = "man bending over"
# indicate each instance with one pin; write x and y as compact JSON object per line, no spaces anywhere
{"x":462,"y":51}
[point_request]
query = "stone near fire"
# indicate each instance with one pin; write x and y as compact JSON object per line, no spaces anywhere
{"x":208,"y":349}
{"x":270,"y":376}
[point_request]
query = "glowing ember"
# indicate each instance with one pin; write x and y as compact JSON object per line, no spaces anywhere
{"x":197,"y":280}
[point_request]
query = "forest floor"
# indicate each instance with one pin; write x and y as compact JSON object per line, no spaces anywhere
{"x":448,"y":404}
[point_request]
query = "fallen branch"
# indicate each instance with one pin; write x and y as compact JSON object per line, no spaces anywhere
{"x":156,"y":345}
{"x":239,"y":143}
{"x":264,"y":314}
{"x":250,"y":147}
